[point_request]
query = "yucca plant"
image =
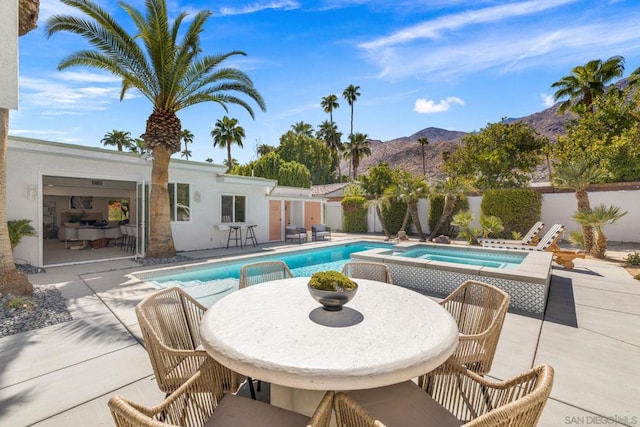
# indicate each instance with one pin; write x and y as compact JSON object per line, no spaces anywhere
{"x":597,"y":218}
{"x":491,"y":225}
{"x":463,"y":220}
{"x":18,"y":229}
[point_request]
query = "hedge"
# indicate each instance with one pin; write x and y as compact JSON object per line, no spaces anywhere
{"x":518,"y":208}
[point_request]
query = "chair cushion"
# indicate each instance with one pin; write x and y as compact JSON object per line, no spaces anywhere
{"x":404,"y":404}
{"x":237,"y":411}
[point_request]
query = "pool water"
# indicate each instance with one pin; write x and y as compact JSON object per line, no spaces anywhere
{"x":210,"y":283}
{"x":466,"y":257}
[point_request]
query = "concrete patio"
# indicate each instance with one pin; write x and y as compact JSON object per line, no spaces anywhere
{"x":63,"y":375}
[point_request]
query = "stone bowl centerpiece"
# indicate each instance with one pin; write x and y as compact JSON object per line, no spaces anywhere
{"x":332,"y":289}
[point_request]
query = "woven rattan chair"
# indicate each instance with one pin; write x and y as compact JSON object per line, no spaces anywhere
{"x":479,"y":310}
{"x":170,"y":324}
{"x":252,"y":274}
{"x":367,"y":270}
{"x":452,"y":396}
{"x":201,"y":401}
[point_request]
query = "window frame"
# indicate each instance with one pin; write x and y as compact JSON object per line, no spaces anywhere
{"x":234,"y":197}
{"x":172,"y":189}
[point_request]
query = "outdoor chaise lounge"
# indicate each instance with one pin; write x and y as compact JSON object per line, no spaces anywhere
{"x":450,"y":396}
{"x":528,"y":239}
{"x":320,"y":232}
{"x":293,"y":233}
{"x":479,"y":310}
{"x":202,"y":401}
{"x":549,"y":243}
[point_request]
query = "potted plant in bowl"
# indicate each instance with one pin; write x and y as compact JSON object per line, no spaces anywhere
{"x":332,"y":289}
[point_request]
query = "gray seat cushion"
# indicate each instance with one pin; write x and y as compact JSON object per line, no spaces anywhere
{"x":404,"y":405}
{"x":237,"y":411}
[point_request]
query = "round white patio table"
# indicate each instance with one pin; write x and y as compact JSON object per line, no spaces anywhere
{"x":266,"y":332}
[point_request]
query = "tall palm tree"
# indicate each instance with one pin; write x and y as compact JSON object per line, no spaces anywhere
{"x":330,"y":103}
{"x":328,"y":132}
{"x":263,"y":149}
{"x":410,"y":189}
{"x":356,"y":149}
{"x":586,"y":82}
{"x":117,"y":138}
{"x":597,"y":218}
{"x":187,"y":137}
{"x":12,"y":280}
{"x":423,"y":141}
{"x":577,"y":175}
{"x":351,"y":94}
{"x":225,"y":133}
{"x":137,"y":146}
{"x":171,"y":73}
{"x":302,"y":128}
{"x":451,"y":188}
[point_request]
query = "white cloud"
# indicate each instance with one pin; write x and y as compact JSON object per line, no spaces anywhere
{"x":429,"y":106}
{"x":434,"y":29}
{"x":547,"y":100}
{"x":258,"y":7}
{"x":85,"y":76}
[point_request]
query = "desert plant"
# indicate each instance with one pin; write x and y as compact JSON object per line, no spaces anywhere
{"x":17,"y":302}
{"x":516,"y":235}
{"x":633,"y":259}
{"x":18,"y":229}
{"x":491,"y":225}
{"x":332,"y":281}
{"x":576,"y":239}
{"x":463,"y":220}
{"x":597,"y":218}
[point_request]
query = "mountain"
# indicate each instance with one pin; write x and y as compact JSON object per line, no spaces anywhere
{"x":406,"y":152}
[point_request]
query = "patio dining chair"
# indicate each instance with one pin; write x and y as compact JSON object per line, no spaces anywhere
{"x":259,"y":272}
{"x":202,"y":401}
{"x":479,"y":310}
{"x":170,"y":325}
{"x":367,"y":270}
{"x":451,"y":395}
{"x":528,"y":239}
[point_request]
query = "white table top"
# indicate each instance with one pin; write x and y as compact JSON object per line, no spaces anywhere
{"x":264,"y":331}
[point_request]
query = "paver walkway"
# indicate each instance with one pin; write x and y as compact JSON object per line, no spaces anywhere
{"x":63,"y":375}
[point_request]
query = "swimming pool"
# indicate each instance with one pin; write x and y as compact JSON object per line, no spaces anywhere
{"x":211,"y":281}
{"x":507,"y":261}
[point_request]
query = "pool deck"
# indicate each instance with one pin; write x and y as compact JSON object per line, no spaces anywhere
{"x":64,"y":374}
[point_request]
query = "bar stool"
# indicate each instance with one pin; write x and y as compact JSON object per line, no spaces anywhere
{"x":236,"y":230}
{"x":250,"y":235}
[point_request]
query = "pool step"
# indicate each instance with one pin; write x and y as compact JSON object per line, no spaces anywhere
{"x":209,"y":292}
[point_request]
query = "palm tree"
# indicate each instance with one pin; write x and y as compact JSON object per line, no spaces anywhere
{"x":171,"y":73}
{"x":330,"y":103}
{"x":410,"y":189}
{"x":356,"y":149}
{"x":423,"y":141}
{"x":451,"y":188}
{"x":117,"y":138}
{"x":187,"y":138}
{"x":137,"y":146}
{"x":351,"y":94}
{"x":577,"y":175}
{"x":587,"y":82}
{"x":380,"y":203}
{"x":302,"y":128}
{"x":225,"y":133}
{"x":263,"y":149}
{"x":597,"y":218}
{"x":12,"y":280}
{"x":328,"y":132}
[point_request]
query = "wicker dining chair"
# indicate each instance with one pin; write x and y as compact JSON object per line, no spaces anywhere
{"x":259,"y":272}
{"x":451,"y":395}
{"x":201,"y":401}
{"x":170,"y":324}
{"x":479,"y":310}
{"x":367,"y":270}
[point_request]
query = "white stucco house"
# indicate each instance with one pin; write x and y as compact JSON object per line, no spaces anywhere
{"x":49,"y":183}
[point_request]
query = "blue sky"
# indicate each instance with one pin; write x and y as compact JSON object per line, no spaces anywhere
{"x":453,"y":64}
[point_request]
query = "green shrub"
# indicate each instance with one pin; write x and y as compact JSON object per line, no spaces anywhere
{"x":518,"y":208}
{"x":633,"y":259}
{"x":394,"y":215}
{"x":19,"y":228}
{"x":354,"y":214}
{"x":463,"y":220}
{"x":436,"y":205}
{"x":16,"y":302}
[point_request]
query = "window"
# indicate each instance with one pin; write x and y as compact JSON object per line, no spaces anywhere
{"x":179,"y":201}
{"x":234,"y":209}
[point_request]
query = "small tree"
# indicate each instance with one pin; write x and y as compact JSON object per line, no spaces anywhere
{"x":597,"y":218}
{"x":410,"y":189}
{"x":463,"y":220}
{"x":18,"y":229}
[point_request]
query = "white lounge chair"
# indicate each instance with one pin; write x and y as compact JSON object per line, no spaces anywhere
{"x":528,"y":238}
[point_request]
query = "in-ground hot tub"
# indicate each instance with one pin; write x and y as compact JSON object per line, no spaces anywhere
{"x":439,"y":269}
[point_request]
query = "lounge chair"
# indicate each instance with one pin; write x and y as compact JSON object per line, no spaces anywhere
{"x":293,"y":232}
{"x":450,"y":396}
{"x":549,"y":243}
{"x":528,"y":239}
